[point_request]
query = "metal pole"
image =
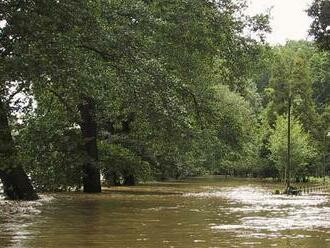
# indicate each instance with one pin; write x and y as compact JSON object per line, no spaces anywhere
{"x":288,"y":177}
{"x":325,"y":147}
{"x":325,"y":154}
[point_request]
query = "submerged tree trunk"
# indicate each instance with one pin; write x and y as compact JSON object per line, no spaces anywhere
{"x":16,"y":183}
{"x":91,"y":170}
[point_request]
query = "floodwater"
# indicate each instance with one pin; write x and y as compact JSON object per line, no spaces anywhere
{"x":211,"y":212}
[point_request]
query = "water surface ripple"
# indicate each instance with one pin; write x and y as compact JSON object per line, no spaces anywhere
{"x":205,"y":212}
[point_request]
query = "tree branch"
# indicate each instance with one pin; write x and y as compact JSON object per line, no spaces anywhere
{"x":63,"y":101}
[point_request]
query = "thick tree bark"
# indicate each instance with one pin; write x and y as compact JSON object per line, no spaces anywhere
{"x":16,"y":183}
{"x":91,"y":170}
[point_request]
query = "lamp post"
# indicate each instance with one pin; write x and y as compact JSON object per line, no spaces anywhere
{"x":326,"y":134}
{"x":288,"y":169}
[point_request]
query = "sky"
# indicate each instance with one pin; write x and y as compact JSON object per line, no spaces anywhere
{"x":289,"y":21}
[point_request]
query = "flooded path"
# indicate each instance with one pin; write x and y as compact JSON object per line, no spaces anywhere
{"x":194,"y":213}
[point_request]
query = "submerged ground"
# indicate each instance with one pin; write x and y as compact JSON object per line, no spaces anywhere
{"x":204,"y":212}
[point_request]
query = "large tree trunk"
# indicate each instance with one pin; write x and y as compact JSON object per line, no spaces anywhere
{"x":16,"y":183}
{"x":91,"y":170}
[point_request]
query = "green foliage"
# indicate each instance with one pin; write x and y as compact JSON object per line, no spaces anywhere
{"x":231,"y":124}
{"x":51,"y":152}
{"x":320,"y":12}
{"x":291,"y":77}
{"x":297,"y":71}
{"x":118,"y":163}
{"x":303,"y":151}
{"x":320,"y":64}
{"x":180,"y":89}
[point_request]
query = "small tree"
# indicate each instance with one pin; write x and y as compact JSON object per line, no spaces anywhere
{"x":302,"y":149}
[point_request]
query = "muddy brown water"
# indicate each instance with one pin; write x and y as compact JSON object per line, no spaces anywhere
{"x":201,"y":212}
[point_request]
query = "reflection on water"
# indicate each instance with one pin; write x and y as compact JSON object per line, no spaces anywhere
{"x":15,"y":218}
{"x":195,"y":213}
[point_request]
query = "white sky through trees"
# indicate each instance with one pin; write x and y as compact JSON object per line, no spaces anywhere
{"x":289,"y":20}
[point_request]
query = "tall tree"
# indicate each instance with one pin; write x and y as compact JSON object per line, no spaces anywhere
{"x":302,"y":147}
{"x":47,"y":39}
{"x":17,"y":185}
